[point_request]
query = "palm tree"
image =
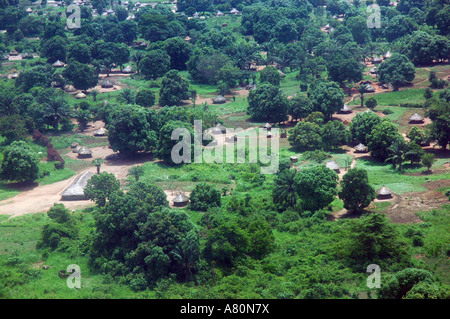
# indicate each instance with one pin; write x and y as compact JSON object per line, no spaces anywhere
{"x":83,"y":117}
{"x":362,"y":89}
{"x":56,"y":108}
{"x":350,"y":86}
{"x":136,"y":171}
{"x":98,"y":163}
{"x":397,"y":152}
{"x":284,"y":189}
{"x":137,"y":57}
{"x":127,"y":96}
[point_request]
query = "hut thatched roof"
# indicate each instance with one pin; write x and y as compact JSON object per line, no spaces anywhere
{"x":80,"y":95}
{"x":377,"y":60}
{"x":294,"y":159}
{"x":333,"y":165}
{"x":58,"y":64}
{"x":387,"y":55}
{"x":373,"y":70}
{"x":69,"y":88}
{"x":370,"y":88}
{"x":361,"y":148}
{"x":384,"y":191}
{"x":107,"y":84}
{"x":100,"y":132}
{"x":84,"y":152}
{"x":219,"y":129}
{"x":127,"y":69}
{"x":219,"y":99}
{"x":234,"y":11}
{"x":13,"y":52}
{"x":345,"y":109}
{"x":416,"y":118}
{"x":181,"y":199}
{"x":76,"y":190}
{"x":267,"y":126}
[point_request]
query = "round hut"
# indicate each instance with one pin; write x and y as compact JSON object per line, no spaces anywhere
{"x":384,"y":193}
{"x":181,"y":200}
{"x":267,"y":126}
{"x":373,"y":70}
{"x":107,"y":84}
{"x":80,"y":95}
{"x":84,"y":152}
{"x":219,"y":99}
{"x":69,"y":88}
{"x":361,"y":148}
{"x":334,"y":166}
{"x":219,"y":129}
{"x":370,"y":88}
{"x":387,"y":55}
{"x":127,"y":69}
{"x":416,"y":119}
{"x":13,"y":53}
{"x":294,"y":159}
{"x":100,"y":132}
{"x":377,"y":60}
{"x":345,"y":110}
{"x":58,"y":64}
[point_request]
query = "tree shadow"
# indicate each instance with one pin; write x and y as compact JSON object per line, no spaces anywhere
{"x":21,"y":186}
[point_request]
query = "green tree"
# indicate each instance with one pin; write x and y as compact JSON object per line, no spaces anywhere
{"x":326,"y":97}
{"x":316,"y":187}
{"x":165,"y":142}
{"x":20,"y":163}
{"x":155,"y":64}
{"x":127,"y":96}
{"x":136,"y":171}
{"x":101,"y":187}
{"x":226,"y":244}
{"x":334,"y":135}
{"x":98,"y":163}
{"x":428,"y":160}
{"x":145,"y":97}
{"x":299,"y":107}
{"x":306,"y":136}
{"x":59,"y":213}
{"x":79,"y":52}
{"x":414,"y":152}
{"x":204,"y":196}
{"x":284,"y":191}
{"x":56,"y":109}
{"x":356,"y":191}
{"x":267,"y":103}
{"x":397,"y":152}
{"x":82,"y":76}
{"x":129,"y":130}
{"x":362,"y":124}
{"x":54,"y":49}
{"x":270,"y":75}
{"x":396,"y":70}
{"x":399,"y":284}
{"x":150,"y":194}
{"x":179,"y":51}
{"x":174,"y":89}
{"x":381,"y":138}
{"x":371,"y":103}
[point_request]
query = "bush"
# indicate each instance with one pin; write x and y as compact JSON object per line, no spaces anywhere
{"x":204,"y":196}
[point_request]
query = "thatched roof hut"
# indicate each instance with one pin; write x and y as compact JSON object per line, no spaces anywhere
{"x":374,"y":70}
{"x":76,"y":190}
{"x":100,"y":132}
{"x":267,"y":126}
{"x":58,"y":64}
{"x":384,"y":193}
{"x":13,"y":53}
{"x":377,"y":60}
{"x":127,"y":69}
{"x":70,"y":88}
{"x":361,"y":148}
{"x":196,"y":15}
{"x":416,"y":118}
{"x":219,"y":99}
{"x":370,"y":88}
{"x":345,"y":110}
{"x":181,"y":200}
{"x":219,"y":129}
{"x":74,"y":145}
{"x":333,"y":165}
{"x":387,"y":55}
{"x":234,"y":11}
{"x":80,"y":95}
{"x":219,"y":14}
{"x":29,"y":10}
{"x":294,"y":159}
{"x":27,"y":55}
{"x":107,"y":84}
{"x":84,"y":152}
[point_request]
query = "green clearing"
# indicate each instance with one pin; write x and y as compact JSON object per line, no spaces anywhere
{"x":395,"y":98}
